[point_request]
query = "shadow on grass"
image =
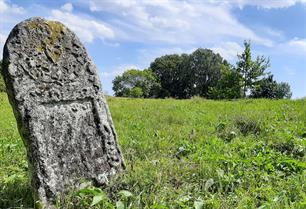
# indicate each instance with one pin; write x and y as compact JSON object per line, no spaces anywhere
{"x":16,"y":194}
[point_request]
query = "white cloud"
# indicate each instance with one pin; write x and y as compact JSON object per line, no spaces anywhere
{"x":174,"y":22}
{"x":85,"y":27}
{"x":108,"y":76}
{"x":295,"y":46}
{"x":266,"y":4}
{"x":148,"y":55}
{"x":228,"y":50}
{"x":67,"y":7}
{"x":117,"y":71}
{"x":10,"y":8}
{"x":3,"y":6}
{"x":9,"y":14}
{"x":298,"y":45}
{"x":270,"y":32}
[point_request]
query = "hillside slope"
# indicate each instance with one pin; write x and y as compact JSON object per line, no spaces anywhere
{"x":186,"y":153}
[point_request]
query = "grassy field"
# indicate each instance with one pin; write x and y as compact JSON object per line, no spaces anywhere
{"x":185,"y":154}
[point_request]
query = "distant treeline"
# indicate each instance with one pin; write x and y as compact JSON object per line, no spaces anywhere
{"x":202,"y":73}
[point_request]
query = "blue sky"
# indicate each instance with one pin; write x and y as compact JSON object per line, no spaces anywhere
{"x":122,"y":34}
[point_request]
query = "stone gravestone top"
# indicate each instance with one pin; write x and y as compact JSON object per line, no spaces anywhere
{"x":60,"y":109}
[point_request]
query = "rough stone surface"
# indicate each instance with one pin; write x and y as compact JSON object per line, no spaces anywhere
{"x":60,"y":109}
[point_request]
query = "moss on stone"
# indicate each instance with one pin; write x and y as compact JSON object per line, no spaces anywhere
{"x":40,"y":48}
{"x":33,"y":25}
{"x":56,"y":53}
{"x":55,"y":29}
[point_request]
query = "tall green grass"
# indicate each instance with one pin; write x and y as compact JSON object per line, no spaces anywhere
{"x":186,"y":154}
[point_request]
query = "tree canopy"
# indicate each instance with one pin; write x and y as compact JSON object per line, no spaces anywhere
{"x":228,"y":86}
{"x":203,"y":73}
{"x":184,"y":76}
{"x":269,"y":88}
{"x":166,"y":68}
{"x":204,"y":70}
{"x":250,"y":70}
{"x":136,"y":83}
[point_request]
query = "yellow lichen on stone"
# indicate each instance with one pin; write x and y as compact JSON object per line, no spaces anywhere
{"x":32,"y":25}
{"x":55,"y":29}
{"x":40,"y":48}
{"x":47,"y":45}
{"x":56,"y":54}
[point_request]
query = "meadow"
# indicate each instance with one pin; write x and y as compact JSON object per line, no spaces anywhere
{"x":192,"y":153}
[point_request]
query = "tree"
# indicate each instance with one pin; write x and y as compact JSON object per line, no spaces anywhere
{"x":250,"y":70}
{"x":283,"y":91}
{"x":228,"y":87}
{"x":181,"y":89}
{"x":202,"y":73}
{"x":136,"y":83}
{"x":183,"y":76}
{"x":202,"y":70}
{"x":269,"y":88}
{"x":136,"y":92}
{"x":265,"y":88}
{"x":166,"y":69}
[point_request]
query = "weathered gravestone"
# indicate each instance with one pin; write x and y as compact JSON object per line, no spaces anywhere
{"x":60,"y":109}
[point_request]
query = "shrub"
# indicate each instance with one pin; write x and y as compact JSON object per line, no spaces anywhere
{"x":226,"y":133}
{"x":247,"y":125}
{"x":136,"y":92}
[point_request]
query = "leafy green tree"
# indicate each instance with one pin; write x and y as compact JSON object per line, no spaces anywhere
{"x":182,"y":81}
{"x":283,"y":91}
{"x":202,"y":71}
{"x":269,"y":88}
{"x":265,"y":88}
{"x":166,"y":69}
{"x":136,"y":92}
{"x":228,"y":87}
{"x":183,"y":76}
{"x":136,"y":83}
{"x":250,"y":71}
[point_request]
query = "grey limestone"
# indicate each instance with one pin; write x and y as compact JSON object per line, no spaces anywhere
{"x":61,"y":112}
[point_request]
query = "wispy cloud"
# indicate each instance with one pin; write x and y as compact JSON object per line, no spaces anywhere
{"x":86,"y":27}
{"x":148,"y":55}
{"x":118,"y":70}
{"x":298,"y":45}
{"x":67,"y":7}
{"x":10,"y":14}
{"x":295,"y":46}
{"x":174,"y":22}
{"x":228,"y":50}
{"x":6,"y":7}
{"x":270,"y":4}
